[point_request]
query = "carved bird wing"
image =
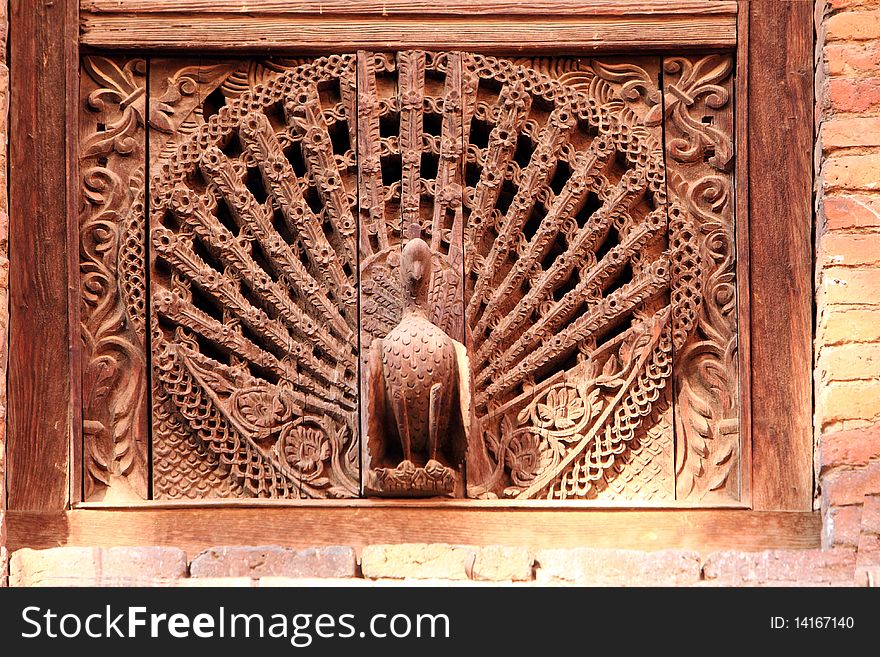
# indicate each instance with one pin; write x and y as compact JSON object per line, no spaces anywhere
{"x":568,"y":271}
{"x":254,"y":284}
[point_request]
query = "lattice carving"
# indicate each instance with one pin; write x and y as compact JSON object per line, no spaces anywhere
{"x":254,"y":276}
{"x":578,"y":299}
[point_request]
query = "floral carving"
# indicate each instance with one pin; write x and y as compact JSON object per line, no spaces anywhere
{"x":562,"y":410}
{"x":695,"y":84}
{"x":699,"y":128}
{"x":306,"y":449}
{"x":114,"y":365}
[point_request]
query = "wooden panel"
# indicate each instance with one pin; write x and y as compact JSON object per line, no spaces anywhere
{"x":698,"y":104}
{"x":780,"y":149}
{"x":299,"y":33}
{"x":197,"y":529}
{"x":43,"y":70}
{"x":112,"y":261}
{"x":423,"y":7}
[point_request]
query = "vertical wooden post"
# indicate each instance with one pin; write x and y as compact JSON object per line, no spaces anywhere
{"x":43,"y":80}
{"x":780,"y":211}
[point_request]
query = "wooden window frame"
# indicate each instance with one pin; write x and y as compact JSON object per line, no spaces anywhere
{"x":773,"y":41}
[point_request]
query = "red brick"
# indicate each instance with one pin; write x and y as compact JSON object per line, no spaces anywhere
{"x":851,"y":211}
{"x":845,"y":487}
{"x":275,"y":561}
{"x":855,"y":325}
{"x":853,"y":25}
{"x":856,"y":447}
{"x":853,"y":286}
{"x":868,"y":557}
{"x":871,"y":518}
{"x":849,"y":132}
{"x":852,"y":58}
{"x":854,"y":95}
{"x":601,"y":567}
{"x":82,"y":566}
{"x":857,"y":172}
{"x":841,"y":526}
{"x":851,"y":362}
{"x":773,"y":567}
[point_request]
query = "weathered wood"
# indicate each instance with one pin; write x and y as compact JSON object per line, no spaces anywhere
{"x":780,"y":162}
{"x":197,"y":529}
{"x":304,"y":33}
{"x":421,"y":7}
{"x":43,"y":71}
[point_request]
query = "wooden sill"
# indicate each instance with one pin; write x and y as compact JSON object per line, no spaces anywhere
{"x":195,"y":529}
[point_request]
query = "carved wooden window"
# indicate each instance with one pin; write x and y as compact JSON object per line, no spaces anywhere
{"x":242,"y":233}
{"x":213,"y":216}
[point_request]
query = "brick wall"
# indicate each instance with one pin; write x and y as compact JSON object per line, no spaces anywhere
{"x":847,"y":375}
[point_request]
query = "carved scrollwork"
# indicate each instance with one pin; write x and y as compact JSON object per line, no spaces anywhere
{"x":699,"y":146}
{"x":114,"y":112}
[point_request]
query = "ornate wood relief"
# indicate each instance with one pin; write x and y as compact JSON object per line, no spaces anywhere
{"x":254,"y":284}
{"x":698,"y":119}
{"x":438,"y":274}
{"x":114,"y":112}
{"x":410,"y":159}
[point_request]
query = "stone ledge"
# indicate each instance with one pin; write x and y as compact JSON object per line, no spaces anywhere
{"x":498,"y":563}
{"x":781,"y":567}
{"x":419,"y":561}
{"x":214,"y":582}
{"x":285,"y":582}
{"x":270,"y":561}
{"x":78,"y":566}
{"x":424,"y":565}
{"x":604,"y":567}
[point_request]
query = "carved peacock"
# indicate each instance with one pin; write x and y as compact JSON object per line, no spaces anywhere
{"x":278,"y":230}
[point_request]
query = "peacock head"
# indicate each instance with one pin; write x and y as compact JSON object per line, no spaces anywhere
{"x":415,"y":267}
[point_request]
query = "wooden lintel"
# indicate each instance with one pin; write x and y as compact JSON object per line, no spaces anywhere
{"x":546,"y":32}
